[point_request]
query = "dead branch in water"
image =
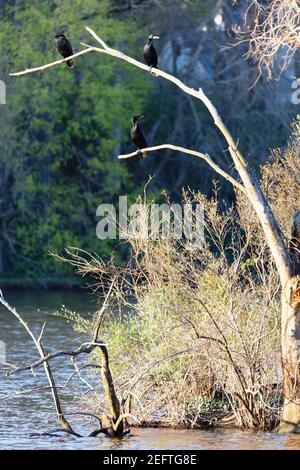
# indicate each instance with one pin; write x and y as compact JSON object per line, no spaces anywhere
{"x":85,"y":348}
{"x":118,"y":418}
{"x":117,"y":422}
{"x":38,"y":344}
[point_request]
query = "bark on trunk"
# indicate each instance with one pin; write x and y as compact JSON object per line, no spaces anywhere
{"x":255,"y":196}
{"x":290,"y":418}
{"x":290,"y":337}
{"x":117,"y":425}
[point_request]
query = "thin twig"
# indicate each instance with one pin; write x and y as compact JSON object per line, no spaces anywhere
{"x":100,"y":314}
{"x":24,"y":392}
{"x":158,"y":361}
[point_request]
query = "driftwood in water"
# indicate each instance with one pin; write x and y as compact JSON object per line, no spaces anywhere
{"x":115,"y":426}
{"x":111,"y":426}
{"x":38,"y":344}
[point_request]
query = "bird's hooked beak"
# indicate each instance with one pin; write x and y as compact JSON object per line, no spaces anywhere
{"x":135,"y":119}
{"x":152,"y":37}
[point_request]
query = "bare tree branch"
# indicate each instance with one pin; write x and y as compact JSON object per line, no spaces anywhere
{"x":203,"y":156}
{"x":52,"y":64}
{"x":272,"y":32}
{"x":107,"y":380}
{"x":100,"y":314}
{"x":48,"y":371}
{"x":85,"y":348}
{"x":158,"y":361}
{"x":25,"y":392}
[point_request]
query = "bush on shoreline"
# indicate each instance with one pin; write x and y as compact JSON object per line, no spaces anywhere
{"x":194,"y":334}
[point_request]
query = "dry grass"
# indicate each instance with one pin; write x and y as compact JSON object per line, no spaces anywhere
{"x":194,"y":334}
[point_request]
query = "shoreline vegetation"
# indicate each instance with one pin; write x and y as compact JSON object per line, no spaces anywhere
{"x":172,"y":311}
{"x":208,"y":420}
{"x":198,"y":330}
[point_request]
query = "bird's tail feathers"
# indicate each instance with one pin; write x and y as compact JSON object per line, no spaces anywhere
{"x":70,"y":63}
{"x":142,"y":155}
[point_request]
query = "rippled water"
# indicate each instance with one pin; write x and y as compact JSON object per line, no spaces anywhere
{"x":21,"y":415}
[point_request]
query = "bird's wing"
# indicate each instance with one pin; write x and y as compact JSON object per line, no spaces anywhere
{"x":69,"y":47}
{"x":142,"y":140}
{"x":64,"y":47}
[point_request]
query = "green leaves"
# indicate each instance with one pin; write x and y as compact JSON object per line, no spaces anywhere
{"x":63,"y":130}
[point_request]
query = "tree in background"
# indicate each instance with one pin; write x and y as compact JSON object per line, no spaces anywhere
{"x":60,"y":133}
{"x":272,"y":33}
{"x":192,"y":39}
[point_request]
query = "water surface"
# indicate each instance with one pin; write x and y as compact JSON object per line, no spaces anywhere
{"x":21,"y":415}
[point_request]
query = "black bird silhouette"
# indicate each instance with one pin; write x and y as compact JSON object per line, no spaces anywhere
{"x":137,"y":136}
{"x":150,"y":54}
{"x":64,"y":47}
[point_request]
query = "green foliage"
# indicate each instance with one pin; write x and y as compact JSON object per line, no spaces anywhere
{"x":61,"y":132}
{"x":79,"y":323}
{"x":205,"y":404}
{"x":62,"y":128}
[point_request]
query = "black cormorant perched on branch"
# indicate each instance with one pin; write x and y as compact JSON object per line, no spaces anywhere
{"x":64,"y":47}
{"x":150,"y":54}
{"x":137,"y":136}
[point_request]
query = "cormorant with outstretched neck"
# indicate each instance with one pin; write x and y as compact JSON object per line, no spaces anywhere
{"x":150,"y":54}
{"x":64,"y":47}
{"x":137,"y":136}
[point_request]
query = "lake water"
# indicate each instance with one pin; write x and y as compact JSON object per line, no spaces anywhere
{"x":21,"y":415}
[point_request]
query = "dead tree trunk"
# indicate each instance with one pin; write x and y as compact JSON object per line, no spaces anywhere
{"x":113,"y":426}
{"x":290,"y":341}
{"x":117,"y":424}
